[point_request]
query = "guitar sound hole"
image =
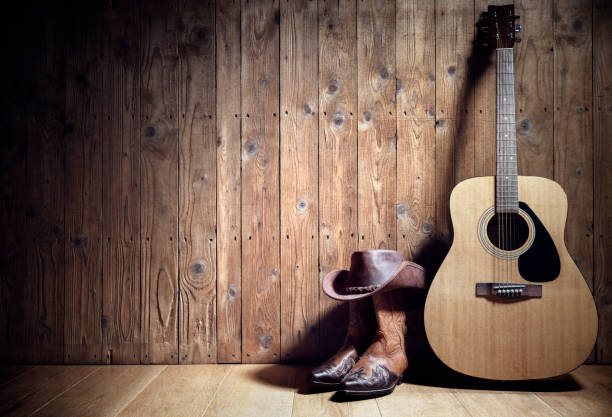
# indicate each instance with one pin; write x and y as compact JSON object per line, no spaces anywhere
{"x":508,"y":231}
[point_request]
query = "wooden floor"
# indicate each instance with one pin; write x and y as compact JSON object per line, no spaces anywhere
{"x":277,"y":390}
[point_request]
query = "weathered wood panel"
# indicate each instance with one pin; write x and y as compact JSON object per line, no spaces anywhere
{"x":377,"y":141}
{"x":197,"y":184}
{"x":43,"y":321}
{"x":83,"y":187}
{"x":159,"y":182}
{"x":533,"y":73}
{"x":454,"y":105}
{"x":415,"y":92}
{"x":298,"y":180}
{"x":602,"y":131}
{"x":229,"y":238}
{"x":573,"y":137}
{"x":482,"y":78}
{"x":260,"y":182}
{"x":121,"y":184}
{"x":337,"y":156}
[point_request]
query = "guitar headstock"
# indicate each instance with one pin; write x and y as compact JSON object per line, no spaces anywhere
{"x":498,"y":27}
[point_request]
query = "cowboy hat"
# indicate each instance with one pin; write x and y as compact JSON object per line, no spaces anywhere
{"x":373,"y":271}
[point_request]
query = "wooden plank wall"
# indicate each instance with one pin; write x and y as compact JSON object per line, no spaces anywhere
{"x":178,"y":177}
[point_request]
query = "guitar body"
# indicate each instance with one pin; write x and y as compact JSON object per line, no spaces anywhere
{"x":524,"y":338}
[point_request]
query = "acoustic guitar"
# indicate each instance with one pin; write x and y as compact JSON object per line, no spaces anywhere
{"x":508,"y":302}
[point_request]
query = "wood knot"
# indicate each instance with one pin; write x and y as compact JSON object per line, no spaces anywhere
{"x":440,"y":123}
{"x":104,"y":322}
{"x":432,"y":111}
{"x":384,"y":73}
{"x":577,"y":25}
{"x":302,"y":205}
{"x":265,"y":340}
{"x":307,"y":109}
{"x":338,"y":119}
{"x":367,"y":116}
{"x":149,"y":132}
{"x":251,"y":147}
{"x":432,"y":77}
{"x":525,"y":125}
{"x":232,"y":292}
{"x":427,"y":227}
{"x":198,"y":268}
{"x":578,"y":172}
{"x":402,"y":209}
{"x":452,"y":70}
{"x":79,"y":241}
{"x":332,"y":87}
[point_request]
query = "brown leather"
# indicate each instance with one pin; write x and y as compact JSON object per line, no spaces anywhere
{"x":371,"y":272}
{"x":382,"y":365}
{"x":359,"y":333}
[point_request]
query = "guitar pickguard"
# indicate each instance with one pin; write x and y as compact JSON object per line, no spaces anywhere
{"x":539,"y":263}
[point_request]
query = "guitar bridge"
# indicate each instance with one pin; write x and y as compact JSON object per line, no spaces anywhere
{"x":508,"y":291}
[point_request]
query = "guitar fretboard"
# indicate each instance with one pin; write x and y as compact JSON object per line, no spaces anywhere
{"x":506,"y":182}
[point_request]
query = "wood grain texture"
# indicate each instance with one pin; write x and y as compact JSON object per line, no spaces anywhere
{"x":377,"y":135}
{"x":159,"y":183}
{"x":573,"y":124}
{"x":602,"y":128}
{"x":104,"y":392}
{"x":299,"y":99}
{"x":482,"y":67}
{"x":454,"y":104}
{"x":29,"y":392}
{"x":415,"y":400}
{"x":43,"y":285}
{"x":534,"y":78}
{"x":229,"y":220}
{"x":189,"y":389}
{"x":83,"y":139}
{"x":415,"y":95}
{"x":337,"y":157}
{"x":197,"y":184}
{"x":244,"y":392}
{"x":540,"y":337}
{"x":260,"y":184}
{"x":121,"y":185}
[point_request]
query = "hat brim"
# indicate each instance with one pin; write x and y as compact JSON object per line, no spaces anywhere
{"x":408,"y":275}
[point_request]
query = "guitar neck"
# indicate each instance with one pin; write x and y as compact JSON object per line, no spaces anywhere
{"x":506,"y":184}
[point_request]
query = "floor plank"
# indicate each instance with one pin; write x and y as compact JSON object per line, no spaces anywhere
{"x":104,"y":393}
{"x":10,"y":372}
{"x":494,"y":403}
{"x":179,"y":390}
{"x":254,"y":390}
{"x":590,"y":398}
{"x":417,"y":400}
{"x":31,"y":390}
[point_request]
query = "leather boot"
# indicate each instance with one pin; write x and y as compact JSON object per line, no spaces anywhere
{"x":360,"y":329}
{"x":382,"y":365}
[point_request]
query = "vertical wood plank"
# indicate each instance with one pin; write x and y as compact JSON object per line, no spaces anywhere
{"x":260,"y":185}
{"x":573,"y":135}
{"x":43,"y":318}
{"x":159,"y":182}
{"x":533,"y":69}
{"x":197,"y":183}
{"x":602,"y":128}
{"x":454,"y":104}
{"x":415,"y":92}
{"x":229,"y":238}
{"x":121,"y":187}
{"x":83,"y":285}
{"x":337,"y":155}
{"x":482,"y":68}
{"x":377,"y":140}
{"x":299,"y":178}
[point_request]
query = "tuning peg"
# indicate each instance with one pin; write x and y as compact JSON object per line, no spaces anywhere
{"x":517,"y":28}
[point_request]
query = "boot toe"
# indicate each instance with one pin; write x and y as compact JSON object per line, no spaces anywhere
{"x":324,"y":377}
{"x":381,"y":382}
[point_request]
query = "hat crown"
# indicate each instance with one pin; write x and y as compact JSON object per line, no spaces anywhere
{"x":373,"y":267}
